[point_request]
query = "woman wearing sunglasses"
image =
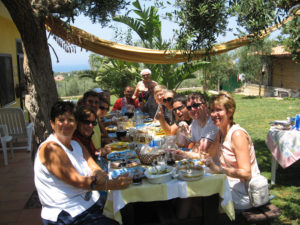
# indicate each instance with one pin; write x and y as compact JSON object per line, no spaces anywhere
{"x":168,"y":106}
{"x":86,"y":118}
{"x":67,"y":178}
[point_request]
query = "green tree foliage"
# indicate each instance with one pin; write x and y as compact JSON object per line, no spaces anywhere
{"x":252,"y":57}
{"x":254,"y":15}
{"x":201,"y":22}
{"x":29,"y":17}
{"x":292,"y":43}
{"x":112,"y":74}
{"x":220,"y":70}
{"x":147,"y":25}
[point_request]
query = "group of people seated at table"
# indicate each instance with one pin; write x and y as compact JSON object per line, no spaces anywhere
{"x":69,"y":179}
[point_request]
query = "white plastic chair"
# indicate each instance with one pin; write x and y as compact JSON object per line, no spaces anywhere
{"x":14,"y":119}
{"x":5,"y":138}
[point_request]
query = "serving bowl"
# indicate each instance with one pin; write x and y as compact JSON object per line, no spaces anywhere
{"x":159,"y":174}
{"x":190,"y":173}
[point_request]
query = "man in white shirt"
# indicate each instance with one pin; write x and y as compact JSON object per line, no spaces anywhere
{"x":203,"y":130}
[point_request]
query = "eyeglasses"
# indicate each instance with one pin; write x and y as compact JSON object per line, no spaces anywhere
{"x":103,"y":108}
{"x":194,"y":106}
{"x":165,"y":100}
{"x":93,"y":102}
{"x":178,"y":108}
{"x":88,"y":122}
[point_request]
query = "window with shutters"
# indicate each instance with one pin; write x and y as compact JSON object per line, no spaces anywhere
{"x":7,"y":94}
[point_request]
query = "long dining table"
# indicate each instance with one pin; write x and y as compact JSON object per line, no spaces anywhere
{"x":208,"y":185}
{"x":211,"y":192}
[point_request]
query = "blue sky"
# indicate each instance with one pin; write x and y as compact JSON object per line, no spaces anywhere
{"x":79,"y":60}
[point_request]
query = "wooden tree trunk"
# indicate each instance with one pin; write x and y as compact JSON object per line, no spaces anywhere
{"x":42,"y":92}
{"x":204,"y":80}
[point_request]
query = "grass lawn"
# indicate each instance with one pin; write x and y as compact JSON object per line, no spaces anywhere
{"x":254,"y":114}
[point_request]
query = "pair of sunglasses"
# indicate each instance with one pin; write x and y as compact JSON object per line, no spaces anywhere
{"x":178,"y":108}
{"x":103,"y":108}
{"x":165,"y":100}
{"x":88,"y":122}
{"x":194,"y":106}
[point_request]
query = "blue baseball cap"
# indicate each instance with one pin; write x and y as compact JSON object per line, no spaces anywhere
{"x":97,"y":90}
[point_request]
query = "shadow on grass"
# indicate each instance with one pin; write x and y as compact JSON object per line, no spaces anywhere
{"x":263,"y":155}
{"x":250,"y":97}
{"x":289,"y":202}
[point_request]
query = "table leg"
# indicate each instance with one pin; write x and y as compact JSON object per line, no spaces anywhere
{"x":273,"y":170}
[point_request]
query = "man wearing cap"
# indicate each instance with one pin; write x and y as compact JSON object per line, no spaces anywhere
{"x":127,"y":99}
{"x":141,"y":90}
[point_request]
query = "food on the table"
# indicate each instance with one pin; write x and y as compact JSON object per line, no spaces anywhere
{"x":159,"y":131}
{"x":131,"y":172}
{"x":159,"y":174}
{"x":192,"y":163}
{"x":148,"y":120}
{"x":125,"y":163}
{"x":118,"y":145}
{"x":126,"y":154}
{"x":111,"y":128}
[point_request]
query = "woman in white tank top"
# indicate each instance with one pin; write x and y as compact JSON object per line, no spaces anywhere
{"x":65,"y":174}
{"x":233,"y":149}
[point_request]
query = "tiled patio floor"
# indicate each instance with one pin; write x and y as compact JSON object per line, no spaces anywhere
{"x":16,"y":186}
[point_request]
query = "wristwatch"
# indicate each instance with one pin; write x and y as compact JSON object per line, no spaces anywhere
{"x":94,"y":183}
{"x":222,"y":170}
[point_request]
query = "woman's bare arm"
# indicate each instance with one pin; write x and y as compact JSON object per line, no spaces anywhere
{"x":59,"y":164}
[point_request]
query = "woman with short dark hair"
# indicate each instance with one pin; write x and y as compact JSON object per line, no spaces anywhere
{"x":66,"y":176}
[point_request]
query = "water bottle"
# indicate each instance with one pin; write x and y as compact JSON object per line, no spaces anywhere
{"x":139,"y":118}
{"x":297,"y":123}
{"x":124,"y":107}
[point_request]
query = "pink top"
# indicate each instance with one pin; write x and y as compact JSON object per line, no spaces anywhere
{"x":228,"y":158}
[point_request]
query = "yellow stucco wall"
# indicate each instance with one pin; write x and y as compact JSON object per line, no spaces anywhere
{"x":9,"y":36}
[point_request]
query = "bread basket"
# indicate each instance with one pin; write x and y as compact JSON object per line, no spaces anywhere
{"x":147,"y":158}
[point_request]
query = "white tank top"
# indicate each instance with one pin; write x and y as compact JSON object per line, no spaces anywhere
{"x":56,"y":195}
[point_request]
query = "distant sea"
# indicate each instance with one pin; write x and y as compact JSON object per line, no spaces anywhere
{"x":70,"y":68}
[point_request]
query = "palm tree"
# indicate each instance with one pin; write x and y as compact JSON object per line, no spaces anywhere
{"x":147,"y":25}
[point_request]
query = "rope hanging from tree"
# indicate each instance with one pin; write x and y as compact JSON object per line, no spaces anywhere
{"x":97,"y":45}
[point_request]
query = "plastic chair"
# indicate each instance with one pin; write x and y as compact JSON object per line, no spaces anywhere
{"x":14,"y":119}
{"x":5,"y":138}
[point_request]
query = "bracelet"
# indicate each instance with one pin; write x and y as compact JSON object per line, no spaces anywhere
{"x":94,"y":183}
